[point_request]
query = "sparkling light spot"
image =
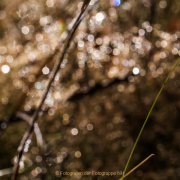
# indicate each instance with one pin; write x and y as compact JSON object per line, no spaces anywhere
{"x":90,"y":38}
{"x":74,"y":131}
{"x":116,"y":2}
{"x":43,"y":21}
{"x":45,"y":70}
{"x":100,"y":16}
{"x":163,"y":4}
{"x":164,"y":43}
{"x":81,"y":44}
{"x":78,"y":154}
{"x":39,"y":37}
{"x":99,"y":41}
{"x":141,"y":32}
{"x":5,"y":69}
{"x":47,"y":29}
{"x":135,"y":71}
{"x":25,"y":30}
{"x":50,"y":3}
{"x":31,"y":57}
{"x":149,"y":29}
{"x":39,"y":85}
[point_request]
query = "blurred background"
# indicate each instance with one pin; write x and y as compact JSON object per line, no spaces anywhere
{"x":118,"y":60}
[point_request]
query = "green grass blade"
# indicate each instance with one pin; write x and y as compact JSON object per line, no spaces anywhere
{"x":148,"y":118}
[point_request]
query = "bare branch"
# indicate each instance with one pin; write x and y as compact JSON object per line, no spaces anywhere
{"x":5,"y":172}
{"x":51,"y":79}
{"x":37,"y":130}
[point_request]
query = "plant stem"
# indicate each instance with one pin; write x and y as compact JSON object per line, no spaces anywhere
{"x":55,"y":70}
{"x":148,"y":118}
{"x":138,"y":165}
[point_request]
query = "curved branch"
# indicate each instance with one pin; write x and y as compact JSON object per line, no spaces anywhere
{"x":51,"y":80}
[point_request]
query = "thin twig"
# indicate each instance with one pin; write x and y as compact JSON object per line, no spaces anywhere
{"x":51,"y":79}
{"x":138,"y":166}
{"x":39,"y":137}
{"x":37,"y":130}
{"x":5,"y":172}
{"x":148,"y":118}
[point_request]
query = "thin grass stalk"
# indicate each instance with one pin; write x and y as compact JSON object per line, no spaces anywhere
{"x":124,"y":172}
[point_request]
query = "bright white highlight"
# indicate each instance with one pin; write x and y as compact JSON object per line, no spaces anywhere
{"x":5,"y":69}
{"x":135,"y":71}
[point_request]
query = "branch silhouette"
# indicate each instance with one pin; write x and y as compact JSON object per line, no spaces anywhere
{"x":55,"y":70}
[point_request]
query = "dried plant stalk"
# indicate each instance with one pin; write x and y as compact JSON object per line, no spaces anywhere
{"x":55,"y":70}
{"x":137,"y":166}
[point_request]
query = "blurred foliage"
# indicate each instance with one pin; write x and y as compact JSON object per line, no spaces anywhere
{"x":117,"y":62}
